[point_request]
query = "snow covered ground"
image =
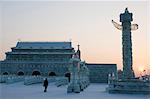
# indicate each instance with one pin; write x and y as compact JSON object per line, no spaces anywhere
{"x":94,"y":91}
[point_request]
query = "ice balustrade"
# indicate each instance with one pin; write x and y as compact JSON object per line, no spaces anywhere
{"x":61,"y":81}
{"x":9,"y":79}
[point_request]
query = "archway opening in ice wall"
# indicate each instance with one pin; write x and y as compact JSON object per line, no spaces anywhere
{"x":36,"y":73}
{"x":5,"y":73}
{"x":20,"y":73}
{"x":68,"y":75}
{"x":52,"y":74}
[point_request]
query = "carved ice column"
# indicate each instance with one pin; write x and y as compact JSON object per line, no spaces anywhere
{"x":126,"y":19}
{"x":126,"y":28}
{"x":74,"y":85}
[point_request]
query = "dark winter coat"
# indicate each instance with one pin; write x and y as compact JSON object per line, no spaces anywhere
{"x":45,"y":83}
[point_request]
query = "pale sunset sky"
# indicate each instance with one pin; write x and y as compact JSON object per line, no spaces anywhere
{"x":84,"y":22}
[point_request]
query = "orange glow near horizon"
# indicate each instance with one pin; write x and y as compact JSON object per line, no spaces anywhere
{"x":143,"y":70}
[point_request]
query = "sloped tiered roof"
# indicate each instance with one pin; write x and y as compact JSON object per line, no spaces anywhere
{"x":44,"y":45}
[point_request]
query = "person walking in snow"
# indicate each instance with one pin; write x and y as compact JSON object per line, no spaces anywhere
{"x":45,"y":85}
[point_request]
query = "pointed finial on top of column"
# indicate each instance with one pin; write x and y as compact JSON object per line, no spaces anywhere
{"x":126,"y":10}
{"x":78,"y":47}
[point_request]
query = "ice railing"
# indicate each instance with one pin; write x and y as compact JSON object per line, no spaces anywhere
{"x":61,"y":81}
{"x":8,"y":79}
{"x":29,"y":80}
